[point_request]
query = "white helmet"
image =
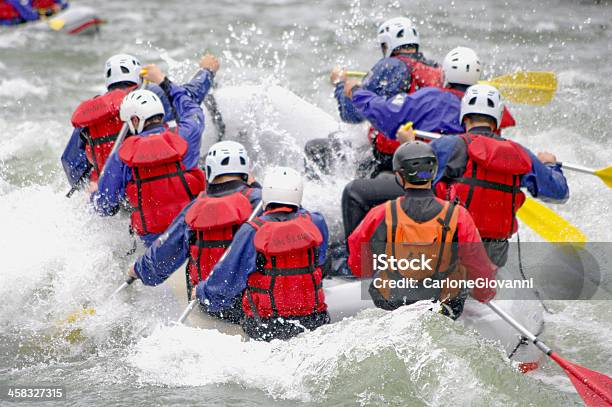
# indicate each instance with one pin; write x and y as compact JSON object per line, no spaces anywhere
{"x":282,"y":185}
{"x":461,"y":66}
{"x":122,"y":68}
{"x":484,"y":100}
{"x":226,"y":157}
{"x":396,"y":32}
{"x":143,"y":104}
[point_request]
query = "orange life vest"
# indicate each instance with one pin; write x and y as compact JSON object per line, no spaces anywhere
{"x":100,"y":123}
{"x":408,"y":239}
{"x":160,"y":186}
{"x":288,"y":280}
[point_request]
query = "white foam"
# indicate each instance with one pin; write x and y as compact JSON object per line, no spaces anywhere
{"x":19,"y":88}
{"x":367,"y":355}
{"x":55,"y":253}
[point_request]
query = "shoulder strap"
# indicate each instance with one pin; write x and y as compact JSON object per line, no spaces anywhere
{"x":391,"y":221}
{"x":450,"y":209}
{"x":257,"y":223}
{"x":246,"y":191}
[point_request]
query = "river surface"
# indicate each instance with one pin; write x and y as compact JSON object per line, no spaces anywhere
{"x":56,"y":255}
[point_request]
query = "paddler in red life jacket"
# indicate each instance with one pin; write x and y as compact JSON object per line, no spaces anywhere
{"x":274,"y":264}
{"x":430,"y":109}
{"x":18,"y":11}
{"x":155,"y":168}
{"x":205,"y":228}
{"x":96,"y":121}
{"x":439,"y":234}
{"x":433,"y":109}
{"x":403,"y":69}
{"x":486,"y":172}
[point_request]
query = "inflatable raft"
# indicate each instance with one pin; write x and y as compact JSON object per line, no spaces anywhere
{"x":344,"y":300}
{"x":73,"y":21}
{"x":273,"y":119}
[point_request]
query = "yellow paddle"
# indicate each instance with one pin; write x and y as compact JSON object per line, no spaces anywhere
{"x":524,"y":87}
{"x":605,"y":174}
{"x":541,"y":219}
{"x":56,"y":23}
{"x":548,"y":224}
{"x":532,"y":88}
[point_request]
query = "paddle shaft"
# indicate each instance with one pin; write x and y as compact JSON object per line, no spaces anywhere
{"x":211,"y":104}
{"x":123,"y":286}
{"x":193,"y":302}
{"x":519,"y":327}
{"x":573,"y":167}
{"x":583,"y":376}
{"x":577,"y":168}
{"x":79,"y":182}
{"x":120,"y":137}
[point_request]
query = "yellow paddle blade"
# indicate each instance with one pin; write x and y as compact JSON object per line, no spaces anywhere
{"x":606,"y":175}
{"x":532,"y":88}
{"x":57,"y":24}
{"x":548,"y":224}
{"x":78,"y":316}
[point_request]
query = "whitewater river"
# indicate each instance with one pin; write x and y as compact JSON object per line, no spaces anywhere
{"x":57,"y":256}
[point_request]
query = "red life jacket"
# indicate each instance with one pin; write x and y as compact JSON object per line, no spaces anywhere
{"x":160,"y":186}
{"x":287,"y":282}
{"x":384,"y":144}
{"x":490,"y":186}
{"x":99,"y":119}
{"x":422,"y":74}
{"x":8,"y":12}
{"x":45,"y":7}
{"x":213,"y":222}
{"x":506,"y":120}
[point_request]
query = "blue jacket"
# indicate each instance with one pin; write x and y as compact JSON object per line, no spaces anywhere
{"x":73,"y":158}
{"x":111,"y":187}
{"x":429,"y":109}
{"x":171,"y":249}
{"x":544,"y":181}
{"x":26,"y":11}
{"x":229,"y":277}
{"x":387,"y":78}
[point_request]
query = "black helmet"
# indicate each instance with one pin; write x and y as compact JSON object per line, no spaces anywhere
{"x":416,"y":162}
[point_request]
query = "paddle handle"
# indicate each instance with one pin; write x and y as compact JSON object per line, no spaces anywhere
{"x":193,"y":302}
{"x":356,"y":74}
{"x":519,"y":327}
